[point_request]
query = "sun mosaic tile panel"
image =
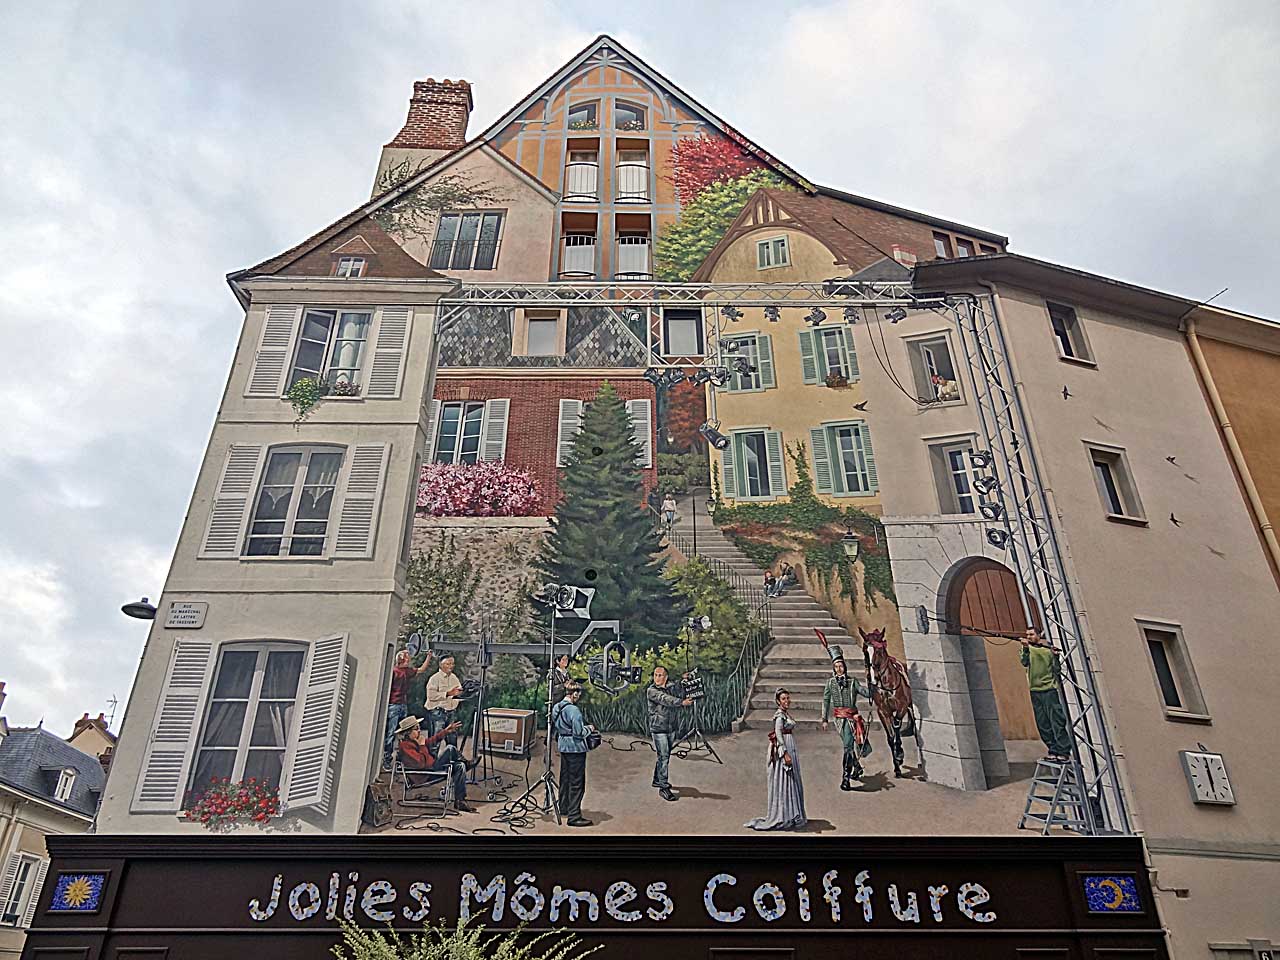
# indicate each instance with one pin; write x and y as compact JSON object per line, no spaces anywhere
{"x":78,"y":892}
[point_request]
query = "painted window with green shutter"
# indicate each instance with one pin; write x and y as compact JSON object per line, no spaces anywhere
{"x":752,"y":466}
{"x":757,"y":350}
{"x":827,"y":350}
{"x":844,"y":463}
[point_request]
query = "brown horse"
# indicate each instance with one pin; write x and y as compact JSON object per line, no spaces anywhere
{"x":891,"y":694}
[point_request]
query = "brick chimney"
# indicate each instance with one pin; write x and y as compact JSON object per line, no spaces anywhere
{"x":438,"y":114}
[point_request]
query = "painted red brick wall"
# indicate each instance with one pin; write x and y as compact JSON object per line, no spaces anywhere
{"x":535,"y":414}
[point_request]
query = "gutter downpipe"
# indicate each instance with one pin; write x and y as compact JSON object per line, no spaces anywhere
{"x":1233,"y":447}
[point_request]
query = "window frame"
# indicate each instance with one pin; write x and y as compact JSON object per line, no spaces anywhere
{"x":460,"y":438}
{"x":1123,"y":483}
{"x":353,"y":272}
{"x":286,"y":536}
{"x":766,"y":246}
{"x":738,"y":438}
{"x":520,"y":333}
{"x":943,"y":248}
{"x":641,"y":112}
{"x":695,"y":314}
{"x":1075,"y":335}
{"x":262,"y":648}
{"x":835,"y":455}
{"x":591,"y":106}
{"x":838,"y":338}
{"x":916,"y":347}
{"x":327,"y":370}
{"x":1182,"y":671}
{"x":20,"y":892}
{"x":945,"y":475}
{"x":751,"y":341}
{"x":481,"y":216}
{"x":66,"y":783}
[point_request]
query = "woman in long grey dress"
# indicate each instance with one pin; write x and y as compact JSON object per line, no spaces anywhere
{"x":786,"y":788}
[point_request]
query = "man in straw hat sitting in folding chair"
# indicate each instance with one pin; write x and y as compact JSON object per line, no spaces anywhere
{"x":416,"y":756}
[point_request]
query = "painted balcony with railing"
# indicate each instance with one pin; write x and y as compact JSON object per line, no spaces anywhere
{"x":632,"y":259}
{"x":578,"y":256}
{"x":631,"y":182}
{"x":582,"y":181}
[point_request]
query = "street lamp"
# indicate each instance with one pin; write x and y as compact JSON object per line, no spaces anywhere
{"x":850,"y":544}
{"x":139,"y":610}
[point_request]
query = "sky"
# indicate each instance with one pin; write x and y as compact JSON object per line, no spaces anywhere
{"x":149,"y":148}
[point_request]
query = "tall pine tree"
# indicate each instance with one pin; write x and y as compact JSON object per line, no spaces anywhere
{"x":602,"y":526}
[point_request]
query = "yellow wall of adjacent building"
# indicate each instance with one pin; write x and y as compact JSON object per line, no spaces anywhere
{"x":792,"y":407}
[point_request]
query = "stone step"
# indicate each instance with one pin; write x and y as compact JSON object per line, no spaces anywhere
{"x":769,"y":671}
{"x":782,"y":626}
{"x":800,"y":703}
{"x":808,"y":652}
{"x":801,"y":686}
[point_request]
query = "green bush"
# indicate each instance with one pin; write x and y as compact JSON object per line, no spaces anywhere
{"x":683,"y":246}
{"x":461,"y":941}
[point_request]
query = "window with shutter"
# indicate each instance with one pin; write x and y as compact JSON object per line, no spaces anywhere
{"x":777,"y":464}
{"x":33,"y":894}
{"x":809,"y":369}
{"x":458,"y":429}
{"x":13,"y":885}
{"x":851,"y":463}
{"x":493,"y":444}
{"x":169,"y":752}
{"x":641,"y":414}
{"x":728,"y":476}
{"x":822,"y":482}
{"x":361,"y":500}
{"x":758,"y":352}
{"x":756,"y":477}
{"x":266,"y":377}
{"x":308,"y":778}
{"x":224,"y":535}
{"x":568,"y":425}
{"x":433,"y":419}
{"x":295,"y":500}
{"x":386,"y":372}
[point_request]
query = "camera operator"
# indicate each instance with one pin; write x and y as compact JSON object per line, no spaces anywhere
{"x":664,"y":699}
{"x":571,"y":739}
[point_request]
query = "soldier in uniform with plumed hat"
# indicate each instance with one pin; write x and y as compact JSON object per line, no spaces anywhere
{"x":840,"y":698}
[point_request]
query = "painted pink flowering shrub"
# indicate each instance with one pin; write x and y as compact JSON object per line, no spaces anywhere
{"x":487,"y":489}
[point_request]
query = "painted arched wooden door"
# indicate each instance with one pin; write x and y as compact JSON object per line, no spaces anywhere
{"x":985,"y":598}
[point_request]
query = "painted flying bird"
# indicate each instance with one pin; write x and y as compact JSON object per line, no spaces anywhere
{"x":1191,"y":478}
{"x":1217,"y":553}
{"x":1066,"y":394}
{"x":1174,"y":520}
{"x":1104,"y":426}
{"x":860,"y":406}
{"x":1173,"y":460}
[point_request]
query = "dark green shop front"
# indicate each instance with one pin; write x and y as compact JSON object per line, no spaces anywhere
{"x":759,"y":898}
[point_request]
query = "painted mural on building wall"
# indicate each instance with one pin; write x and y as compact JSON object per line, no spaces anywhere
{"x":650,"y":584}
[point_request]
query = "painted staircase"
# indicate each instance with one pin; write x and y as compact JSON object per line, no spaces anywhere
{"x":793,"y":658}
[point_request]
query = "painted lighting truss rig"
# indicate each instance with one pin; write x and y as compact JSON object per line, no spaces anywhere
{"x":1021,"y":524}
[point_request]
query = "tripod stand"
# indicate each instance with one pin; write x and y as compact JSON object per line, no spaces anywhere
{"x":548,"y":784}
{"x":694,"y":741}
{"x":483,"y":770}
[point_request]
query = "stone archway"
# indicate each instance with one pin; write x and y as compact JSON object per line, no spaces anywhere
{"x":982,"y":596}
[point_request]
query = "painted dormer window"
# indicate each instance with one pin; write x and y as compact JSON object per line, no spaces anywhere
{"x":350,"y":267}
{"x":66,"y":781}
{"x":584,"y":116}
{"x":627,"y":116}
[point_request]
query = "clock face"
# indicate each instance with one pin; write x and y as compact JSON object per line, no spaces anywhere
{"x":1207,"y":777}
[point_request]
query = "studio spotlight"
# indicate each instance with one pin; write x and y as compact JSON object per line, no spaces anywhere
{"x":731,"y":313}
{"x":676,"y":377}
{"x":655,"y":377}
{"x":997,"y":538}
{"x":742,"y":365}
{"x":701,"y":376}
{"x":772,"y":314}
{"x":732,"y":346}
{"x":896,"y":314}
{"x":720,"y":376}
{"x":986,"y":485}
{"x":991,"y":510}
{"x":815,"y":316}
{"x":981,"y":459}
{"x":850,"y":314}
{"x":713,"y":436}
{"x":699,"y":624}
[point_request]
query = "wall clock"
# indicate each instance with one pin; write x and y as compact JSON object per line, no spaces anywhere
{"x":1207,"y":776}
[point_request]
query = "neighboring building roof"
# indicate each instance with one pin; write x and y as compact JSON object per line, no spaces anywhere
{"x":86,"y":722}
{"x":912,"y":215}
{"x":606,"y":45}
{"x":31,"y":760}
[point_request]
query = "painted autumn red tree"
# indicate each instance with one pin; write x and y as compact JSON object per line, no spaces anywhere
{"x":698,"y":162}
{"x":686,"y":410}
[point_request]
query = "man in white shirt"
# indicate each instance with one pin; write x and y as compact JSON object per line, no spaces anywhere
{"x":443,"y":689}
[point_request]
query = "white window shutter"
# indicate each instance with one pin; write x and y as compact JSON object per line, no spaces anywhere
{"x":850,"y":354}
{"x":728,"y":478}
{"x":493,"y":433}
{"x":569,"y":424}
{"x":33,"y":894}
{"x":641,"y":414}
{"x":224,"y":536}
{"x":175,"y":729}
{"x":358,"y":521}
{"x":308,"y":780}
{"x":271,"y":362}
{"x":868,"y":456}
{"x":433,"y":421}
{"x":7,"y":877}
{"x":764,"y":360}
{"x":822,"y":481}
{"x":390,"y":345}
